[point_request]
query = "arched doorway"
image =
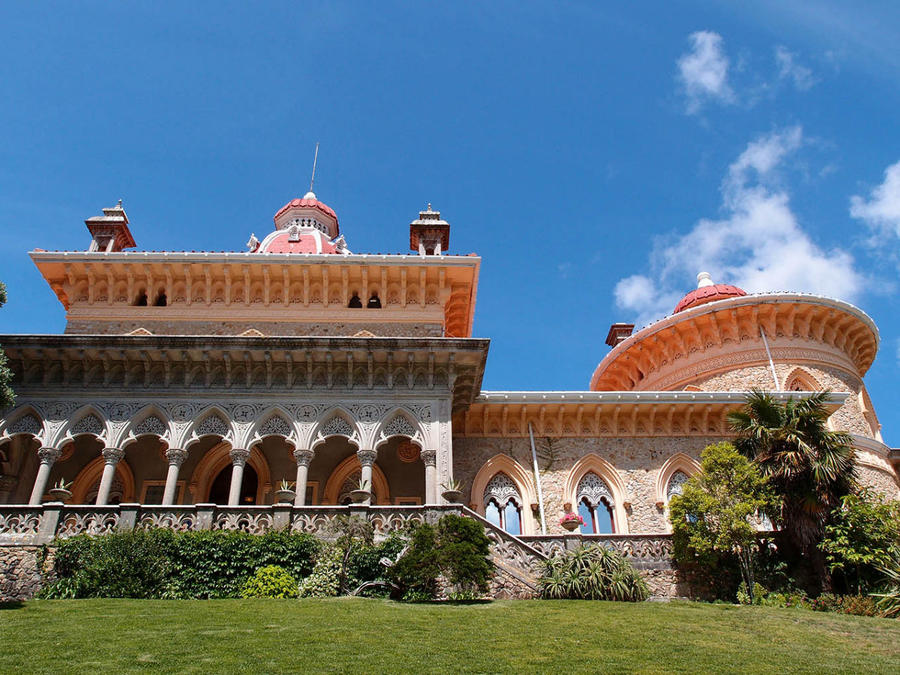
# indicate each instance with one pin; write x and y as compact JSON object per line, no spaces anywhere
{"x":221,"y":486}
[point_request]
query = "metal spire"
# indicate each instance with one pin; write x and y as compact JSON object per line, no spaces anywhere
{"x":315,"y":160}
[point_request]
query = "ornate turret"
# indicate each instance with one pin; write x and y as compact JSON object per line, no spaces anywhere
{"x":303,"y":226}
{"x":428,"y":234}
{"x":110,"y":231}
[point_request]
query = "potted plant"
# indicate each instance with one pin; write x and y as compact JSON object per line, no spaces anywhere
{"x":571,"y":521}
{"x":285,"y":493}
{"x":61,"y":492}
{"x":451,"y":492}
{"x":361,"y":493}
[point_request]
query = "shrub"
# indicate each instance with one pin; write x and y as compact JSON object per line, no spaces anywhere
{"x":325,"y":579}
{"x":862,"y":537}
{"x":456,"y":549}
{"x":365,"y":564}
{"x":712,"y":518}
{"x":131,"y":564}
{"x":162,"y":563}
{"x":592,"y":573}
{"x":270,"y":581}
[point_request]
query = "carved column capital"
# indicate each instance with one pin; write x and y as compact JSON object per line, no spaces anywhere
{"x":113,"y":455}
{"x":303,"y":456}
{"x":176,"y":456}
{"x":49,"y":455}
{"x":239,"y":456}
{"x":366,"y":457}
{"x":429,"y":457}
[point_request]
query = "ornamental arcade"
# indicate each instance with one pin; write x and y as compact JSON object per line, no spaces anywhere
{"x":189,"y":378}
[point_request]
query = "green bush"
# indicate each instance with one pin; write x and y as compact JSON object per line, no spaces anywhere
{"x":325,"y":579}
{"x":365,"y":564}
{"x":270,"y":581}
{"x":592,"y":573}
{"x":161,"y":563}
{"x":456,"y":549}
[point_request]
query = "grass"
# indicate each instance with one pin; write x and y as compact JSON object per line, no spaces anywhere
{"x":379,"y":636}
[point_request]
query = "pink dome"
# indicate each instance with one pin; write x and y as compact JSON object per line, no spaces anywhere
{"x":710,"y":293}
{"x":306,"y":241}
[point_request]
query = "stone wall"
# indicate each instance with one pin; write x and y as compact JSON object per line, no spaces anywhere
{"x":637,"y":460}
{"x":279,"y":328}
{"x":20,"y":575}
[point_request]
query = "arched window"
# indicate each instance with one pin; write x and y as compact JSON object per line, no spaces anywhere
{"x":141,"y":299}
{"x":503,"y":504}
{"x":374,"y":302}
{"x":355,"y":302}
{"x":676,"y":484}
{"x":595,"y":505}
{"x":161,"y":299}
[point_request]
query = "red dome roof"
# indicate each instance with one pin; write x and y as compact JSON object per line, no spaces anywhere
{"x":710,"y":293}
{"x":309,"y":203}
{"x":308,"y":241}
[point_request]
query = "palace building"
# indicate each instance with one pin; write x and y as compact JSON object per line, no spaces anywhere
{"x":206,"y":378}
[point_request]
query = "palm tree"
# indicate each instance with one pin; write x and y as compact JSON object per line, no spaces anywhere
{"x":809,"y":466}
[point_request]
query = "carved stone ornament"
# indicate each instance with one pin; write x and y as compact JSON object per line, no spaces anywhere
{"x":337,"y":426}
{"x":239,"y":456}
{"x":408,"y":451}
{"x":89,"y":424}
{"x":151,"y":425}
{"x":27,"y":424}
{"x":399,"y":426}
{"x":275,"y":426}
{"x":176,"y":456}
{"x":594,"y":489}
{"x":366,"y":457}
{"x":502,"y":489}
{"x":113,"y":455}
{"x":49,"y":455}
{"x":212,"y":425}
{"x":429,"y":457}
{"x":303,"y":457}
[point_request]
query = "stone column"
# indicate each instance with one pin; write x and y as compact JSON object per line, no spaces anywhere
{"x":176,"y":457}
{"x":239,"y":457}
{"x":47,"y":457}
{"x":429,"y":458}
{"x":366,"y":461}
{"x":303,"y":457}
{"x":111,"y":457}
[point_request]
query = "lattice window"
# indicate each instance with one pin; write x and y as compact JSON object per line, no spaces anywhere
{"x":337,"y":426}
{"x":212,"y":426}
{"x":151,"y":425}
{"x":595,"y":505}
{"x":27,"y":424}
{"x":503,"y":504}
{"x":275,"y":426}
{"x":399,"y":426}
{"x":594,"y":489}
{"x":676,"y":484}
{"x":89,"y":424}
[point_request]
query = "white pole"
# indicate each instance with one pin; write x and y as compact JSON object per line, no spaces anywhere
{"x":537,"y":480}
{"x":769,"y":354}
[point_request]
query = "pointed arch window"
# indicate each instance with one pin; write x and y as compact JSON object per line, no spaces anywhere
{"x":503,"y":504}
{"x":595,"y":505}
{"x":676,"y":484}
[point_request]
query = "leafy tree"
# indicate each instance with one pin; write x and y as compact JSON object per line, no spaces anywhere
{"x":862,"y":539}
{"x":354,"y":535}
{"x":712,"y":519}
{"x":809,"y":466}
{"x":7,"y":396}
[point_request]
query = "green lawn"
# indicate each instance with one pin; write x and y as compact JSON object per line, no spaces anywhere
{"x":376,"y":636}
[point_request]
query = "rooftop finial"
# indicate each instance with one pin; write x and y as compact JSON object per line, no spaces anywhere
{"x":312,"y":180}
{"x":119,"y":204}
{"x":704,"y":279}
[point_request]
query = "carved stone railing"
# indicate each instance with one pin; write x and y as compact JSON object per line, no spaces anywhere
{"x":510,"y":553}
{"x":644,"y":551}
{"x":34,"y":525}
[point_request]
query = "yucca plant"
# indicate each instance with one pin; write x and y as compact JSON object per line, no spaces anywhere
{"x":592,"y":573}
{"x":889,"y":601}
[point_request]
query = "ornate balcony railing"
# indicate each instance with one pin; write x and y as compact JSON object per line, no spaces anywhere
{"x":641,"y":550}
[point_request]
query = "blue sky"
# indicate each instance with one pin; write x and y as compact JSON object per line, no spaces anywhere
{"x":596,"y":157}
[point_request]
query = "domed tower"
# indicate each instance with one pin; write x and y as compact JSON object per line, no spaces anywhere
{"x":303,"y":226}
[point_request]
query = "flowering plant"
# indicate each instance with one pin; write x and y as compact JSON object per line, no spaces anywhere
{"x":571,"y":517}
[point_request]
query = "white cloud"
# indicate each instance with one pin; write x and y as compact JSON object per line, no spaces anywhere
{"x":789,"y":69}
{"x":881,"y":211}
{"x":704,"y":71}
{"x":759,"y":245}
